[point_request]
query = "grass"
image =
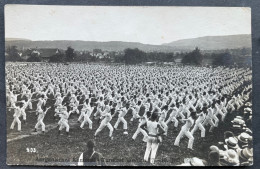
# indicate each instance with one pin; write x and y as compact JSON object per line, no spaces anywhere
{"x":54,"y":149}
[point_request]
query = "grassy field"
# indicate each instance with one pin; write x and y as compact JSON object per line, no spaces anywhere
{"x":54,"y":149}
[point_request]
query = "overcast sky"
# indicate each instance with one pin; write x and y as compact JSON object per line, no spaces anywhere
{"x":149,"y":25}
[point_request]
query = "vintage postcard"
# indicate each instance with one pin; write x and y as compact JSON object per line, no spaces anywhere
{"x":128,"y":85}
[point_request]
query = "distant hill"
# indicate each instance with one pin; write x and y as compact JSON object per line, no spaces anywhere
{"x":88,"y":45}
{"x":214,"y":42}
{"x":16,"y":39}
{"x":204,"y":43}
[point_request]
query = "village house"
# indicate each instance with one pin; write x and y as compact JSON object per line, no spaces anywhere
{"x":43,"y":54}
{"x":47,"y":53}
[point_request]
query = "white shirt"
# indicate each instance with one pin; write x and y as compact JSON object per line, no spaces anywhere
{"x":152,"y":127}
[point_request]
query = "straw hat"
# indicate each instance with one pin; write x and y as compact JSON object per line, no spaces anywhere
{"x":232,"y":157}
{"x":243,"y":137}
{"x":248,"y":104}
{"x":194,"y":161}
{"x":248,"y":109}
{"x":239,"y":117}
{"x":214,"y":148}
{"x":231,"y":142}
{"x":238,"y":121}
{"x":246,"y":154}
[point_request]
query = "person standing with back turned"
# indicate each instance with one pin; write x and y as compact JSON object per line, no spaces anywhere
{"x":152,"y":128}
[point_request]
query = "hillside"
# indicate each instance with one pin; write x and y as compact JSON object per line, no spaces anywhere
{"x":204,"y":43}
{"x":88,"y":45}
{"x":214,"y":42}
{"x":16,"y":39}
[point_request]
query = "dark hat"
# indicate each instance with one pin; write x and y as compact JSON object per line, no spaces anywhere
{"x":90,"y":144}
{"x":228,"y":134}
{"x":214,"y":156}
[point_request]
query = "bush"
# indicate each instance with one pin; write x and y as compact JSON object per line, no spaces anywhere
{"x":57,"y":58}
{"x":134,"y":56}
{"x":33,"y":59}
{"x":12,"y":54}
{"x":195,"y":57}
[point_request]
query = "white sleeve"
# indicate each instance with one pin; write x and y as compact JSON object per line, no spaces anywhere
{"x":80,"y":163}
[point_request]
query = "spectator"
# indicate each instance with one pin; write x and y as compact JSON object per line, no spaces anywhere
{"x":193,"y":162}
{"x":243,"y":140}
{"x":220,"y":152}
{"x":90,"y":157}
{"x":230,"y":159}
{"x":231,"y":143}
{"x":213,"y":159}
{"x":227,"y":134}
{"x":246,"y":156}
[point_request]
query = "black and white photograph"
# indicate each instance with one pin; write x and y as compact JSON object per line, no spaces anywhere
{"x":128,"y":85}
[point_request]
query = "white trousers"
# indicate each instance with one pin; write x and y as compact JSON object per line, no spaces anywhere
{"x":184,"y":131}
{"x":216,"y":120}
{"x":23,"y":114}
{"x":81,"y":115}
{"x":151,"y":148}
{"x":238,"y":104}
{"x":30,"y":105}
{"x":232,"y":107}
{"x":164,"y":125}
{"x":225,"y":112}
{"x":98,"y":112}
{"x":209,"y":121}
{"x":222,"y":115}
{"x":102,"y":126}
{"x":64,"y":123}
{"x":40,"y":122}
{"x":140,"y":130}
{"x":199,"y":126}
{"x":12,"y":103}
{"x":86,"y":120}
{"x":121,"y":119}
{"x":16,"y":120}
{"x":8,"y":102}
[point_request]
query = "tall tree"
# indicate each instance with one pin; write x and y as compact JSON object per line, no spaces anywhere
{"x":134,"y":56}
{"x":12,"y":54}
{"x":195,"y":57}
{"x":70,"y":55}
{"x":223,"y":59}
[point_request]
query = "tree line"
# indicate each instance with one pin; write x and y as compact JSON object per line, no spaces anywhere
{"x":137,"y":56}
{"x":195,"y":57}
